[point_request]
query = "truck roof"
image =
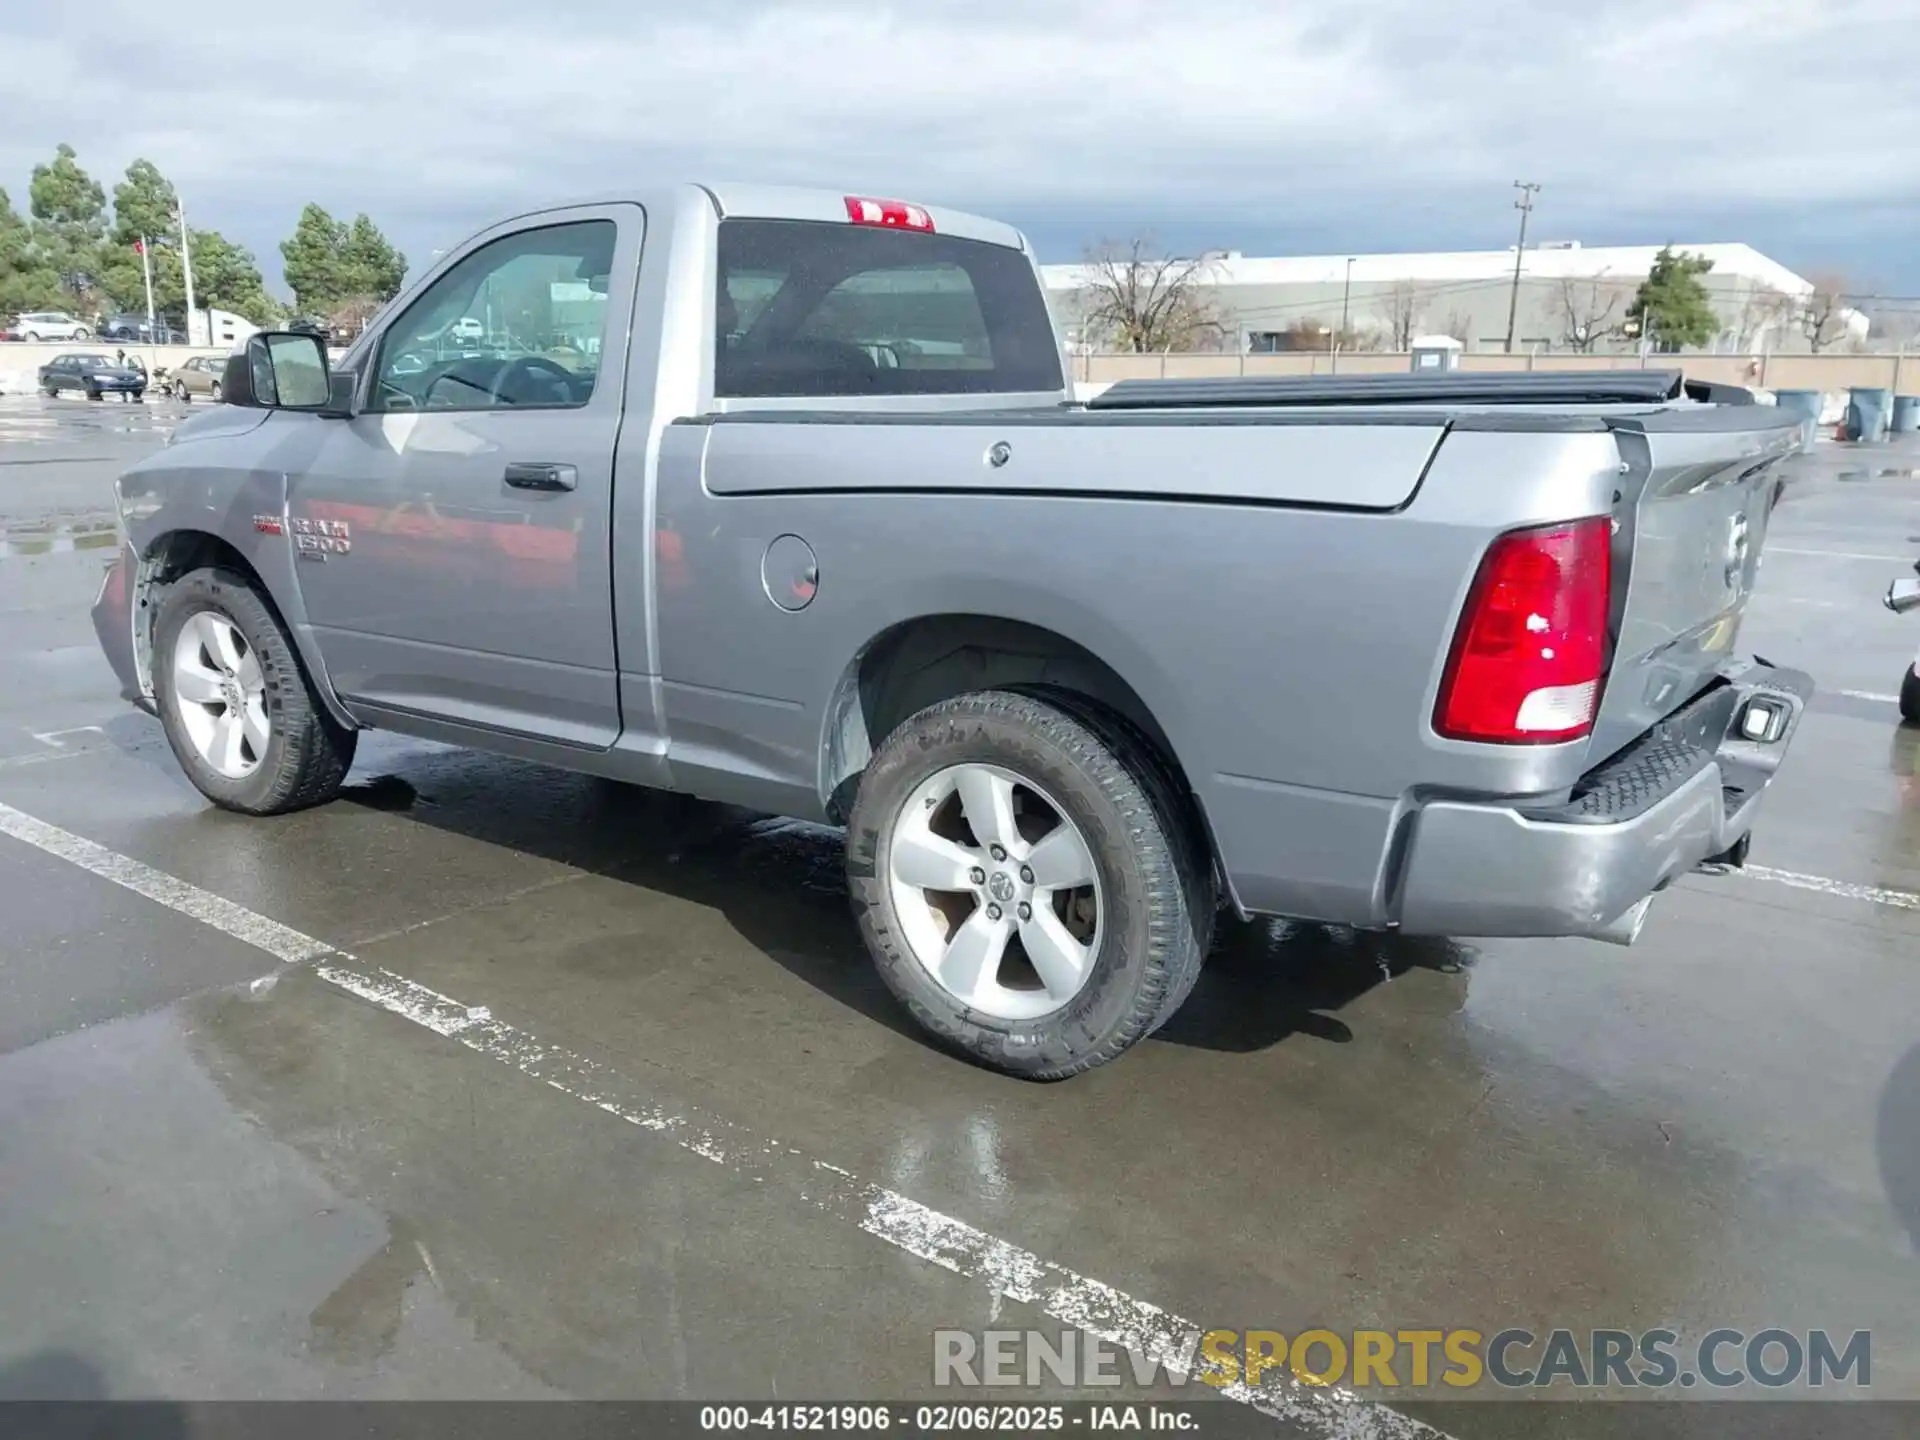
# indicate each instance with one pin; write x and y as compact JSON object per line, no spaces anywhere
{"x":736,"y":200}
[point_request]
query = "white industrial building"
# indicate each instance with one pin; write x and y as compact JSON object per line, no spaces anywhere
{"x":1571,"y":297}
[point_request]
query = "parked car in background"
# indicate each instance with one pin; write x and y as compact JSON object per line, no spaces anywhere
{"x":198,"y":378}
{"x":466,"y":328}
{"x":139,"y":328}
{"x":51,"y":325}
{"x":308,"y":325}
{"x":96,"y":375}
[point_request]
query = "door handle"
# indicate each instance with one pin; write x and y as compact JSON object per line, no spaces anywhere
{"x":524,"y":476}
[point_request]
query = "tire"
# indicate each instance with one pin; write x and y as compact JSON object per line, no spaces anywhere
{"x":32,"y":337}
{"x":52,"y":392}
{"x":306,"y":756}
{"x":93,"y":393}
{"x":213,"y":392}
{"x":181,"y":393}
{"x":1910,"y":695}
{"x":81,"y":332}
{"x":1152,"y":892}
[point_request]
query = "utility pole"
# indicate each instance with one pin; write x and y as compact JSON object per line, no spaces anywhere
{"x":1524,"y":205}
{"x":1333,"y":340}
{"x":186,"y":267}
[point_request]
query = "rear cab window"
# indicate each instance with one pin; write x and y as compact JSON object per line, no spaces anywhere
{"x":816,"y":309}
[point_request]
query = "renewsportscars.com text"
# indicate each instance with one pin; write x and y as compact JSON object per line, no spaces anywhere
{"x":1459,"y":1359}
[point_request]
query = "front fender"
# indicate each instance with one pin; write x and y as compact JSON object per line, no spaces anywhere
{"x":224,"y":478}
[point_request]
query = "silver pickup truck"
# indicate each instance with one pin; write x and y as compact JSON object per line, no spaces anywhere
{"x":781,"y":499}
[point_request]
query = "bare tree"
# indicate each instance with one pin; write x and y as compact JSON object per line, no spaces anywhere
{"x":1401,"y":309}
{"x":1587,"y":308}
{"x":1146,"y":301}
{"x":1765,"y":309}
{"x":1824,"y":312}
{"x":1459,"y":326}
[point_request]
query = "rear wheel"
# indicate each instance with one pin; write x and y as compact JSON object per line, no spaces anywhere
{"x":93,"y":392}
{"x":237,"y":709}
{"x":1910,"y":695}
{"x":81,"y":332}
{"x":1025,"y":884}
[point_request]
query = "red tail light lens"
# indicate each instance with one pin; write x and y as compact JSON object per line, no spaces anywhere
{"x":1530,"y":652}
{"x":889,"y":214}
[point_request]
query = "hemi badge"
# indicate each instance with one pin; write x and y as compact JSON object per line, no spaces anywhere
{"x":269,"y":525}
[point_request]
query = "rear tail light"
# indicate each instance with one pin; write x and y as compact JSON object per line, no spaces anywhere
{"x":1530,"y":652}
{"x":889,"y":214}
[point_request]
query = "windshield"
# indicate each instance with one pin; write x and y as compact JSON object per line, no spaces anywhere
{"x":96,"y":361}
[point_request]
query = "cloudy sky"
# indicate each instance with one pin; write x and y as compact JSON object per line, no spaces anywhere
{"x":1270,"y":126}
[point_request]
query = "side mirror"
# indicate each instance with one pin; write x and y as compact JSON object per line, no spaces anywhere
{"x":279,"y":370}
{"x":1903,"y":595}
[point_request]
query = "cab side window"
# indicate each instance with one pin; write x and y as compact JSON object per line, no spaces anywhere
{"x":516,"y":325}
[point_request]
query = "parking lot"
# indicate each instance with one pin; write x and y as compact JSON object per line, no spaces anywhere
{"x":490,"y":1081}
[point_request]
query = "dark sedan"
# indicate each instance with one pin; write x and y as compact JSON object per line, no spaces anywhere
{"x":97,"y":375}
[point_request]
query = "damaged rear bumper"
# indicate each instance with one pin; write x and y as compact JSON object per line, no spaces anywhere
{"x":1683,"y":795}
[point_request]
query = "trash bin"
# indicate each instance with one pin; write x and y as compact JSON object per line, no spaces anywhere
{"x":1806,"y":405}
{"x":1867,"y":412}
{"x":1906,"y":414}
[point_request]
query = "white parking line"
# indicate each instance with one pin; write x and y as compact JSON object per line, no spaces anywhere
{"x":1845,"y":889}
{"x":1872,"y":695}
{"x":1065,"y":1295}
{"x":1840,"y":554}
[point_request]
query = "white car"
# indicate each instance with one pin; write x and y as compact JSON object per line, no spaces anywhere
{"x":50,"y":325}
{"x":468,"y":328}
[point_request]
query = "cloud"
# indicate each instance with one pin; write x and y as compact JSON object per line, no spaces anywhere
{"x":1398,"y":122}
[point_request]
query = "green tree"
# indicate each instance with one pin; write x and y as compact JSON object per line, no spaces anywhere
{"x":371,"y":265}
{"x":69,"y":210}
{"x":1672,"y":308}
{"x":27,"y":280}
{"x":145,"y":206}
{"x":227,"y":276}
{"x":313,"y":261}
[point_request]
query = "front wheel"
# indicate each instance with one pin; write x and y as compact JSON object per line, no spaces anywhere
{"x":1910,"y":695}
{"x":1027,"y":883}
{"x":181,"y":393}
{"x":213,"y":392}
{"x":237,"y":709}
{"x":80,"y":332}
{"x":93,"y":393}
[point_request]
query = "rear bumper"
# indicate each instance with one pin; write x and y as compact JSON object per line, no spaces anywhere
{"x":1685,"y":793}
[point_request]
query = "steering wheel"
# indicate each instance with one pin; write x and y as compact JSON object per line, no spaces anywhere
{"x":528,"y":364}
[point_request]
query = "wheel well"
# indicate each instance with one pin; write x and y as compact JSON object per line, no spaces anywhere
{"x":174,"y":554}
{"x":924,"y":661}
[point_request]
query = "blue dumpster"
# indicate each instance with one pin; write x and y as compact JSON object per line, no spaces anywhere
{"x":1906,"y":414}
{"x":1806,"y":404}
{"x":1868,"y":408}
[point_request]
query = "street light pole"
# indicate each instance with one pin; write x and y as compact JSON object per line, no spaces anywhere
{"x":1524,"y":205}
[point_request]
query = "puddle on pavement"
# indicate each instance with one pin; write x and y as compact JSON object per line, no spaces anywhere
{"x":57,"y":539}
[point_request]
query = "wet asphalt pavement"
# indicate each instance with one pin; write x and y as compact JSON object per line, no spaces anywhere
{"x":222,"y":1176}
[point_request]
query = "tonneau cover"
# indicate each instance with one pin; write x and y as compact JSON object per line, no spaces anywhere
{"x":1571,"y":387}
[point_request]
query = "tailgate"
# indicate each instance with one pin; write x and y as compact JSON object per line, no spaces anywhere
{"x":1695,"y":494}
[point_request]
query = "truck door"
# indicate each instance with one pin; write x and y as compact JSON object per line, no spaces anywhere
{"x":454,"y":535}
